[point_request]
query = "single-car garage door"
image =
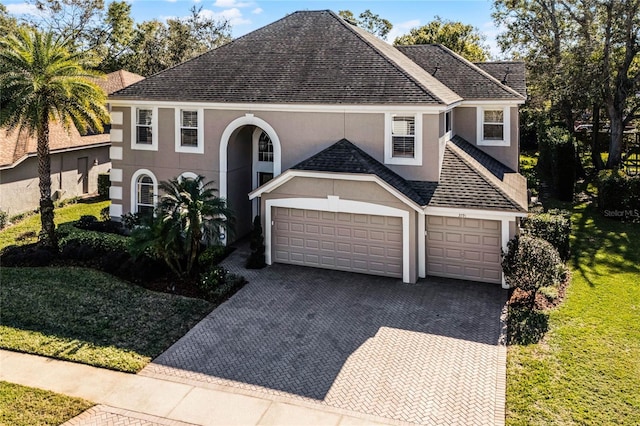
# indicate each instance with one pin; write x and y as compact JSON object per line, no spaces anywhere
{"x":464,"y":248}
{"x":343,"y":241}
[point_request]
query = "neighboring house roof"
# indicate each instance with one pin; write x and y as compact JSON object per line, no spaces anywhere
{"x":469,"y":177}
{"x":463,"y":77}
{"x":307,"y":57}
{"x":117,"y":80}
{"x":511,"y":73}
{"x":16,"y":146}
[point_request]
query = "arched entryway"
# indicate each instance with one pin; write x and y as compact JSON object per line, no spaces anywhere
{"x":250,"y":155}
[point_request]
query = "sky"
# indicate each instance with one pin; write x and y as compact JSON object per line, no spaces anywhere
{"x":248,"y":15}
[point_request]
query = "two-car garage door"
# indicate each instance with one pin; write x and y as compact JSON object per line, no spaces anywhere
{"x":361,"y":243}
{"x":464,"y":248}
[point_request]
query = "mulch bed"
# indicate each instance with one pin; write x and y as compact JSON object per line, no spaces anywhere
{"x":520,"y":297}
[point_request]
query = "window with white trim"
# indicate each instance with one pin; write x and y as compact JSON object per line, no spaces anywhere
{"x":447,"y":121}
{"x":494,"y":126}
{"x":145,"y":196}
{"x":144,"y":126}
{"x":403,"y":138}
{"x":188,"y":128}
{"x":265,"y":148}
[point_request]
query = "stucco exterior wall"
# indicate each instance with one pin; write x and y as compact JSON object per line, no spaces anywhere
{"x":19,"y":191}
{"x":465,"y":125}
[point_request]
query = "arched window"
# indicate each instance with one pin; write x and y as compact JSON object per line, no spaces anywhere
{"x":144,"y":194}
{"x":265,"y":148}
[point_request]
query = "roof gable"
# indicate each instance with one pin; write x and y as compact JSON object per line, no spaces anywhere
{"x":305,"y":57}
{"x":457,"y":73}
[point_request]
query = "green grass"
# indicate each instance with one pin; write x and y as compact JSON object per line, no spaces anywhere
{"x":83,"y":315}
{"x":24,"y":406}
{"x":587,"y":369}
{"x":26,"y":231}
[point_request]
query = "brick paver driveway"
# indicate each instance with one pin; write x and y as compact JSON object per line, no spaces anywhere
{"x":424,"y":353}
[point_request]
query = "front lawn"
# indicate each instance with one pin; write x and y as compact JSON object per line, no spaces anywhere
{"x":587,"y":368}
{"x":24,"y":406}
{"x":87,"y":316}
{"x":26,"y":231}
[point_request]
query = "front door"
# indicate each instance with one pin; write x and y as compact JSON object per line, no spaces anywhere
{"x":83,"y":174}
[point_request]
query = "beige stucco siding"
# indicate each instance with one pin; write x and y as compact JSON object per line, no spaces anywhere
{"x":465,"y":125}
{"x":19,"y":191}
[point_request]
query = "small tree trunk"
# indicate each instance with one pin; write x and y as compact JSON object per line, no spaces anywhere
{"x":48,"y":232}
{"x":595,"y":150}
{"x":615,"y":146}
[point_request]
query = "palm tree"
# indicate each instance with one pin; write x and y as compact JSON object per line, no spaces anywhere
{"x":188,"y":216}
{"x":43,"y":80}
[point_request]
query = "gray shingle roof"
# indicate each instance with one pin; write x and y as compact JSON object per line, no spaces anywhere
{"x":461,"y":185}
{"x":305,"y":57}
{"x":511,"y":73}
{"x":492,"y":165}
{"x":460,"y":75}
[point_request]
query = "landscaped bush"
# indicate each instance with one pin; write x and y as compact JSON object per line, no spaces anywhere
{"x":553,"y":226}
{"x":77,"y":243}
{"x":619,"y":195}
{"x":212,"y":255}
{"x":556,"y":164}
{"x":104,"y":183}
{"x":218,"y":284}
{"x":256,"y":260}
{"x":531,"y":263}
{"x":4,"y":219}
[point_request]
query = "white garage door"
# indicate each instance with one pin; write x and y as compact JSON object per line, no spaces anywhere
{"x":464,"y":248}
{"x":343,"y":241}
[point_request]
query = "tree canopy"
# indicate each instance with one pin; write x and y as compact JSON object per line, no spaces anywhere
{"x":463,"y":39}
{"x":370,"y":22}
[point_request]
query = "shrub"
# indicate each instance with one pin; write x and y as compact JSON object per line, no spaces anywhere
{"x":131,"y":220}
{"x":211,"y":256}
{"x":557,"y":162}
{"x":619,"y":195}
{"x":28,"y":255}
{"x":92,"y":242}
{"x":105,"y":215}
{"x":104,"y":183}
{"x":531,"y":263}
{"x":4,"y":219}
{"x":218,"y":284}
{"x":553,"y":227}
{"x":256,"y":260}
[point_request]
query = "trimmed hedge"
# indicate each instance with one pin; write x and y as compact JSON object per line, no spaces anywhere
{"x":531,"y":263}
{"x":554,"y":227}
{"x":619,"y":195}
{"x":104,"y":183}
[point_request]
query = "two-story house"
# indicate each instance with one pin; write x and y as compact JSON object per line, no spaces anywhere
{"x":358,"y":155}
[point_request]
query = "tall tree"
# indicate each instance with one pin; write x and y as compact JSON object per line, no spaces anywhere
{"x":112,"y":38}
{"x":463,"y":39}
{"x":41,"y":81}
{"x":369,"y":21}
{"x":7,"y":23}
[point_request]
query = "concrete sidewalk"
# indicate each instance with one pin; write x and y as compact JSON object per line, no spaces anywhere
{"x":130,"y":399}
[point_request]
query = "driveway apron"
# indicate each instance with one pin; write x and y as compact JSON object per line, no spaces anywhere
{"x":425,"y":353}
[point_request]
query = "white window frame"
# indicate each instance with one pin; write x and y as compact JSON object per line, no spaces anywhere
{"x":199,"y":149}
{"x":506,"y":126}
{"x":154,"y":129}
{"x":134,"y":188}
{"x":448,"y":133}
{"x":388,"y":140}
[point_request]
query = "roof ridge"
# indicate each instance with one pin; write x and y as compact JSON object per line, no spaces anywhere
{"x":473,"y":66}
{"x":449,"y":145}
{"x":357,"y":31}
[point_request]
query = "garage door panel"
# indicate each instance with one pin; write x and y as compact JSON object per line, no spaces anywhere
{"x":344,"y":241}
{"x":464,"y":248}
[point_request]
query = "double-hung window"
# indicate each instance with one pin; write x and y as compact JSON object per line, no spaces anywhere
{"x":494,"y":126}
{"x":144,"y":126}
{"x":403,"y":142}
{"x":189,"y":135}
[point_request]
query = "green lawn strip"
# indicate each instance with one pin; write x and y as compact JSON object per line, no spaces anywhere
{"x":25,"y":406}
{"x":87,"y":316}
{"x":587,"y":370}
{"x":31,"y":224}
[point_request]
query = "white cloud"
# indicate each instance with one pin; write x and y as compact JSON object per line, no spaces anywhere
{"x":172,"y":1}
{"x":257,"y":11}
{"x":233,"y":15}
{"x":23,"y":9}
{"x":401,"y":29}
{"x":228,"y":4}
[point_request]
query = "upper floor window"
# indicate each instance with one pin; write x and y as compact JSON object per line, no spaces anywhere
{"x":493,"y":126}
{"x":403,"y":144}
{"x":447,"y":121}
{"x":265,"y":148}
{"x":144,"y":128}
{"x":189,"y":130}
